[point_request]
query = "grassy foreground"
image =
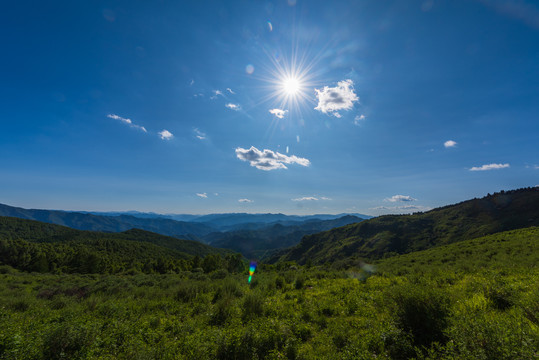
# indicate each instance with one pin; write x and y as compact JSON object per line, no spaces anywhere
{"x":435,"y":309}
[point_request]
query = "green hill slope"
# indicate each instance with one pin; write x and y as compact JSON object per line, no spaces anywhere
{"x":400,"y":234}
{"x":35,"y":246}
{"x":509,"y":250}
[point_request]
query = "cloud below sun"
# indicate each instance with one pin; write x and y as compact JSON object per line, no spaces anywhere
{"x":268,"y":159}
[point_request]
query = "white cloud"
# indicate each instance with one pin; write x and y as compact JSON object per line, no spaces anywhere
{"x":245,"y":201}
{"x":398,"y":198}
{"x":306,"y":198}
{"x":127,"y":121}
{"x":311,"y":198}
{"x":489,"y":167}
{"x":165,"y":135}
{"x":216,"y":93}
{"x":267,"y":159}
{"x":232,"y":106}
{"x":450,"y":143}
{"x":230,"y":90}
{"x":278,"y":113}
{"x":199,"y":134}
{"x":404,"y":208}
{"x":331,"y":100}
{"x":202,"y":195}
{"x":358,"y":119}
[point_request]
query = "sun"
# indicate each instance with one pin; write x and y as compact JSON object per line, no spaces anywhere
{"x":290,"y":80}
{"x":291,"y":86}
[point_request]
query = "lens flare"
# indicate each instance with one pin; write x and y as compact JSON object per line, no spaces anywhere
{"x":252,"y":268}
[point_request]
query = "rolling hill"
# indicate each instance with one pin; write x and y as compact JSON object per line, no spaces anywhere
{"x":29,"y":244}
{"x":399,"y":234}
{"x":509,"y":249}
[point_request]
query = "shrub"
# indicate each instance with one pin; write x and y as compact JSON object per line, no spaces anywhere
{"x":500,"y":296}
{"x":67,"y":342}
{"x":222,"y":311}
{"x":219,"y":274}
{"x":300,"y":282}
{"x":279,"y":282}
{"x":229,"y":288}
{"x":423,"y":313}
{"x":20,"y":305}
{"x":253,"y":306}
{"x":188,"y":292}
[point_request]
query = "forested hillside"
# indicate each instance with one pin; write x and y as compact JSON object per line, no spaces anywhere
{"x":34,"y":246}
{"x":398,"y":234}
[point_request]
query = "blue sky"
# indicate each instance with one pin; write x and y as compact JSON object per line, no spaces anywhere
{"x":298,"y":107}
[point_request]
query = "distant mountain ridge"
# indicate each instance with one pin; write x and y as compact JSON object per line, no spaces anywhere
{"x":87,"y":221}
{"x":225,"y":221}
{"x":260,"y":242}
{"x":250,"y":234}
{"x":400,"y":234}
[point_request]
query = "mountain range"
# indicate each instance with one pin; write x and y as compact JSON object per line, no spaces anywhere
{"x":251,"y":234}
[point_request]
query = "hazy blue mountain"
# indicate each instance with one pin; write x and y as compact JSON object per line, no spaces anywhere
{"x":88,"y":221}
{"x":227,"y":220}
{"x":260,"y":242}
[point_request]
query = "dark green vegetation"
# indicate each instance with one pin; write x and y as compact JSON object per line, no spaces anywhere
{"x":456,"y":297}
{"x":439,"y":310}
{"x":390,"y":235}
{"x":35,"y":246}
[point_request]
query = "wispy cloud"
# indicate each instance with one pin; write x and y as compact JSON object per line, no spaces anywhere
{"x":403,"y":208}
{"x":306,"y":198}
{"x":216,"y":93}
{"x":199,"y":134}
{"x":489,"y":167}
{"x":267,"y":159}
{"x":358,"y":119}
{"x":400,"y":198}
{"x":165,"y":135}
{"x":450,"y":143}
{"x":245,"y":201}
{"x":127,"y":122}
{"x":232,"y":106}
{"x":311,"y":198}
{"x":333,"y":99}
{"x":202,"y":195}
{"x":230,"y":90}
{"x":278,"y":113}
{"x":521,"y":10}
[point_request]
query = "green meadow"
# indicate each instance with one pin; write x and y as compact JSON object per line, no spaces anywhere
{"x":477,"y":299}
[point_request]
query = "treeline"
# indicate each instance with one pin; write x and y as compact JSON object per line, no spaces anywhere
{"x":30,"y":245}
{"x":101,"y":256}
